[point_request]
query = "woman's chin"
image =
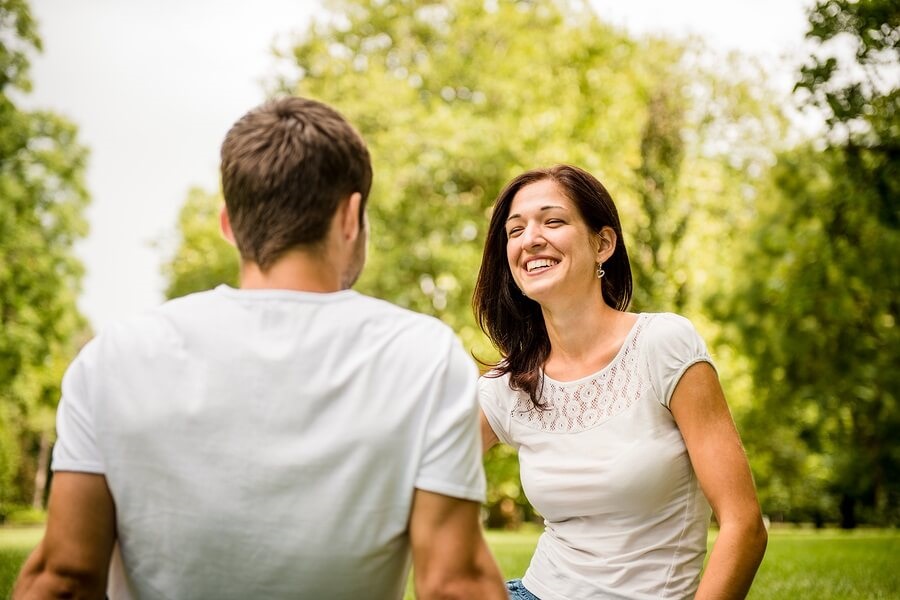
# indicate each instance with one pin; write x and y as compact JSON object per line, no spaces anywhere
{"x":540,"y":292}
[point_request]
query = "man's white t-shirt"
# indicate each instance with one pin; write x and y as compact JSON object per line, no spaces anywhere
{"x":607,"y":467}
{"x":266,"y":443}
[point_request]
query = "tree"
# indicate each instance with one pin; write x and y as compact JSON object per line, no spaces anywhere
{"x":859,"y":98}
{"x":456,"y":98}
{"x":41,"y":217}
{"x":202,"y":259}
{"x":819,"y":304}
{"x":655,"y":258}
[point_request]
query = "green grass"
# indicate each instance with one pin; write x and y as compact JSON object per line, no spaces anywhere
{"x":850,"y":565}
{"x":15,"y":545}
{"x":799,"y":563}
{"x":513,"y":550}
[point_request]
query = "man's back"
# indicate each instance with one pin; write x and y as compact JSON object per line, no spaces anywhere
{"x":268,"y":442}
{"x":289,"y":439}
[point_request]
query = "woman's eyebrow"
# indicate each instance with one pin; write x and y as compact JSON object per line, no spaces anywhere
{"x":548,"y":207}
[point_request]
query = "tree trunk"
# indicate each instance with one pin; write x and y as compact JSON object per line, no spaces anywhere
{"x":848,"y":512}
{"x":43,"y":468}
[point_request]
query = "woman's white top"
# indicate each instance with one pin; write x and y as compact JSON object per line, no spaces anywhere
{"x":607,"y":467}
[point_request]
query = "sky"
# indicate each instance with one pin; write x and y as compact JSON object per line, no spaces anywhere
{"x":154,"y":87}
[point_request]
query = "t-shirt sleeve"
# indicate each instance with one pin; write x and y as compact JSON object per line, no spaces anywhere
{"x":451,"y":460}
{"x":674,"y":346}
{"x":76,"y":445}
{"x":493,"y":404}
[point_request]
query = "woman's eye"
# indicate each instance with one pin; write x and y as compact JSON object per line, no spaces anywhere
{"x":555,"y":222}
{"x":515,"y":231}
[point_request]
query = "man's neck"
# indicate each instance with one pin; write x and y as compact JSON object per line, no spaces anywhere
{"x":296,"y":270}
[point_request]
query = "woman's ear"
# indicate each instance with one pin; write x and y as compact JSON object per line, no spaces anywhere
{"x":606,"y":244}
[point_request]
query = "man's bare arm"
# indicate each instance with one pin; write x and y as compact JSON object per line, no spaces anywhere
{"x":72,"y":561}
{"x":450,"y":557}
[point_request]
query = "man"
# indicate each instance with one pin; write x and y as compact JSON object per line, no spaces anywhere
{"x":288,"y":439}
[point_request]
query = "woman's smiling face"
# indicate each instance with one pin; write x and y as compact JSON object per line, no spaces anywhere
{"x":549,"y":247}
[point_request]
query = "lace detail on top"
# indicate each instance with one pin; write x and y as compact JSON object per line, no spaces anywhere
{"x":585,"y":403}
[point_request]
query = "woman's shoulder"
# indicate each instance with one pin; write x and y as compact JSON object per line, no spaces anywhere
{"x":668,"y":336}
{"x":663,"y":327}
{"x":497,"y":402}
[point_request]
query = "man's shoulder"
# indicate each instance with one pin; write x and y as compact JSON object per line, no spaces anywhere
{"x":208,"y":314}
{"x":154,"y":324}
{"x":408,"y":336}
{"x":382,"y":309}
{"x":189,"y":303}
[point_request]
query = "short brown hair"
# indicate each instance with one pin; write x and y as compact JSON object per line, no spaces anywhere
{"x":286,"y":165}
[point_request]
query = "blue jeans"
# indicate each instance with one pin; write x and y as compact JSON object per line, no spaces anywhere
{"x":517,"y":591}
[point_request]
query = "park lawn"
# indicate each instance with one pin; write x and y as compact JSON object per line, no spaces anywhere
{"x":799,"y":563}
{"x":850,"y":565}
{"x":15,"y":545}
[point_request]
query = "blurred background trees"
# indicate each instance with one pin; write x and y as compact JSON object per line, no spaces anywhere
{"x":455,"y":98}
{"x":202,"y":258}
{"x":42,"y":200}
{"x":785,"y":255}
{"x":817,"y":306}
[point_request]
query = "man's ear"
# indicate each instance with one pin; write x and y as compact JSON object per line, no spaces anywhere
{"x":225,"y":224}
{"x":351,"y":222}
{"x":606,"y":244}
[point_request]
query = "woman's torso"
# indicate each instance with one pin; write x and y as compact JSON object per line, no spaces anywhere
{"x":606,"y":466}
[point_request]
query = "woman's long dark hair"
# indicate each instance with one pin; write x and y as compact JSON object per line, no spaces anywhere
{"x":513,"y":322}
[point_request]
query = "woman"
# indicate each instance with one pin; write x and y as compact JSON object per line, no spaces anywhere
{"x":623,"y":433}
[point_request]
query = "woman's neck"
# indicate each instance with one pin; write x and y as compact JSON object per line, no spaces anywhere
{"x":584,"y":337}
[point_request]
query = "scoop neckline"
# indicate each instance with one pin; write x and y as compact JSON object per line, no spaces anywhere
{"x":621,"y":351}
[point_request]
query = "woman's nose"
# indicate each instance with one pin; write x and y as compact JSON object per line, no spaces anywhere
{"x":532,"y":237}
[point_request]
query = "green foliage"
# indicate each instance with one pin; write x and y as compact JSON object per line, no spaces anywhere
{"x":10,"y":451}
{"x":820,"y":298}
{"x":455,"y":98}
{"x":819,"y":308}
{"x":655,"y":258}
{"x":19,"y":36}
{"x":25,"y":516}
{"x":861,"y":90}
{"x":41,"y":217}
{"x":506,"y":503}
{"x":203,"y":258}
